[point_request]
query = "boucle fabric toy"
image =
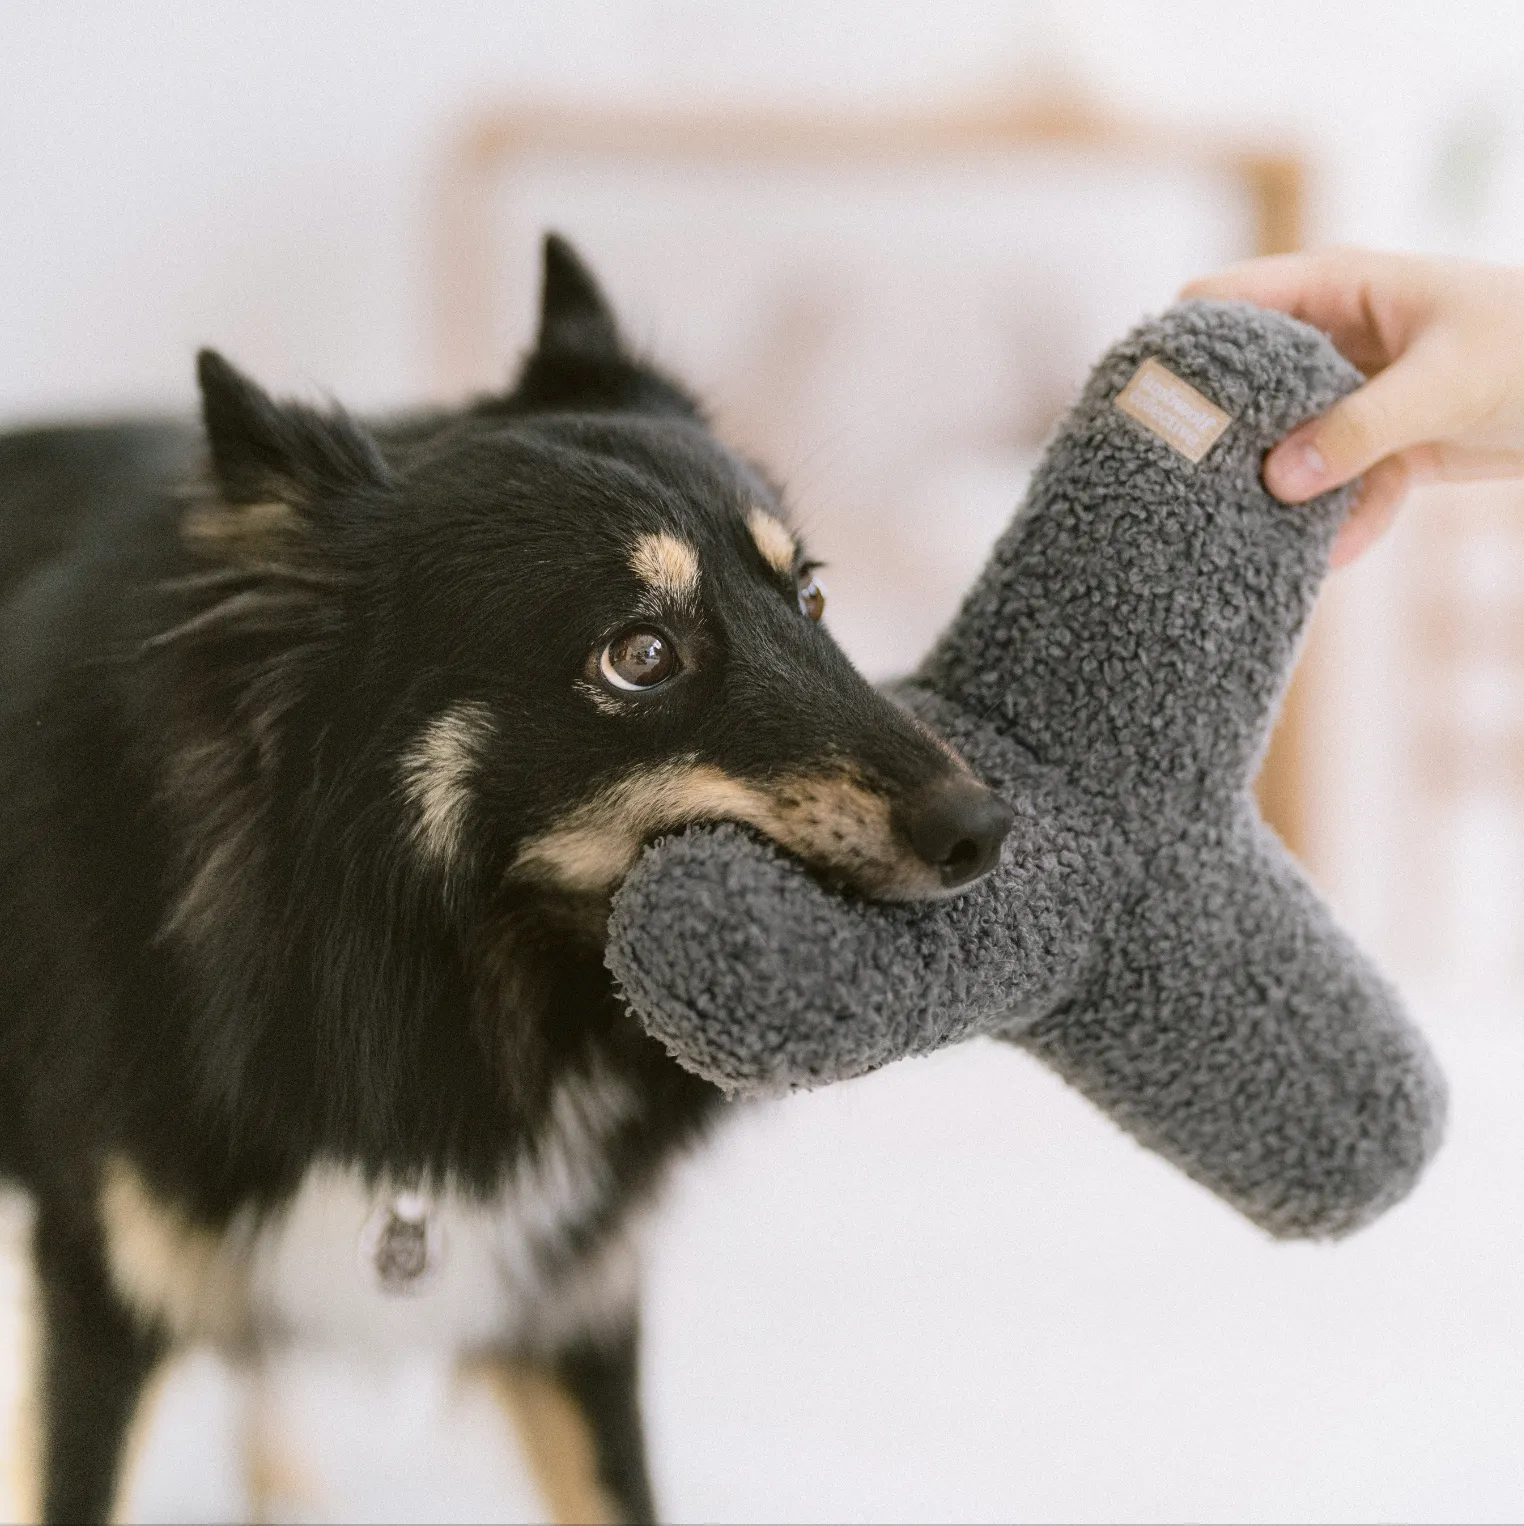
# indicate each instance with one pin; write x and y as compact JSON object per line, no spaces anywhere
{"x":1113,"y":674}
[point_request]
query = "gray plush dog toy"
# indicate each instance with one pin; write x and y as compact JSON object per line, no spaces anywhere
{"x":1113,"y":674}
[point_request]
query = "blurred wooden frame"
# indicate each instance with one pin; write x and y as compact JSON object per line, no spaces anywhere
{"x":1274,"y":182}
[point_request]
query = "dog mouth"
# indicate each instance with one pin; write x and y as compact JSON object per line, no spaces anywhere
{"x":926,"y":845}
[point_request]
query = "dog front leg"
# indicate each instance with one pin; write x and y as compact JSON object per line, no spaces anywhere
{"x":93,"y":1360}
{"x":577,"y":1421}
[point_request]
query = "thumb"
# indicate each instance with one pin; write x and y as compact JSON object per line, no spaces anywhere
{"x":1410,"y":402}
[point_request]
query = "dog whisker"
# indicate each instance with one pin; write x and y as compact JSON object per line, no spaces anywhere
{"x":229,"y":611}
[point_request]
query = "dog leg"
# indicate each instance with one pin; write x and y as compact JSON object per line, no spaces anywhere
{"x":21,"y":1463}
{"x":94,"y":1360}
{"x":277,"y":1477}
{"x":602,"y":1375}
{"x":577,"y":1419}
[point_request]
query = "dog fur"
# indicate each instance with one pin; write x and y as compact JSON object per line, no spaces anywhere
{"x":314,"y":786}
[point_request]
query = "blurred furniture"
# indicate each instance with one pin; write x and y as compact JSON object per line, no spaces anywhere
{"x":1465,"y":696}
{"x":911,"y":299}
{"x":1457,"y":746}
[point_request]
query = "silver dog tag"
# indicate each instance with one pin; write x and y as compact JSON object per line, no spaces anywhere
{"x":402,"y":1243}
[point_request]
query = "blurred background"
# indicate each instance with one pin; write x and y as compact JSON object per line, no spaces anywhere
{"x":888,"y":240}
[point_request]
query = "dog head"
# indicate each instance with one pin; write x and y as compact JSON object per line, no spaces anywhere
{"x":572,"y":620}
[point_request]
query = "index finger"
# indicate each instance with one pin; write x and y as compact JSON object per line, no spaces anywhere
{"x":1331,"y":291}
{"x":1275,"y":280}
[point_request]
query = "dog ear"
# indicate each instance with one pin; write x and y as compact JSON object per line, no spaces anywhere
{"x":575,"y":317}
{"x":263,"y":449}
{"x":580,"y":361}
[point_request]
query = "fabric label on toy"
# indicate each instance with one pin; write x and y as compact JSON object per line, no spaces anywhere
{"x":1172,"y":409}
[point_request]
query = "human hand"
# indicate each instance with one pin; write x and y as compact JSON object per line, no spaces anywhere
{"x":1442,"y":341}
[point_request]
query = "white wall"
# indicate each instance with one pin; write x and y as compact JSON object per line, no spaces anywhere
{"x":255,"y":175}
{"x":950,"y":1291}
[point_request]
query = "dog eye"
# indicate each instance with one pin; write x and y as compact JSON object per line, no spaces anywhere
{"x":811,"y":594}
{"x":639,"y":659}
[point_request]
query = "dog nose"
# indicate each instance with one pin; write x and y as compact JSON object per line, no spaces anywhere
{"x":957,"y":826}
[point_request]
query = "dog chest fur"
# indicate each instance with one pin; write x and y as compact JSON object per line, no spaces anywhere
{"x":502,"y":1272}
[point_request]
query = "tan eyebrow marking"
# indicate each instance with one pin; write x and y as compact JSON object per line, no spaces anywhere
{"x":666,"y":564}
{"x":777,"y":545}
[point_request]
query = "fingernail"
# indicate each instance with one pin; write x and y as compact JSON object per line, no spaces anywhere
{"x":1296,"y":470}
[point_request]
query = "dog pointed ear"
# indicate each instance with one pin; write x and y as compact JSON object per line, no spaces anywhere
{"x":575,"y":317}
{"x":580,"y":362}
{"x":263,"y":449}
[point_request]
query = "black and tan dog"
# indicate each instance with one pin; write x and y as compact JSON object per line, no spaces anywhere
{"x":321,"y":752}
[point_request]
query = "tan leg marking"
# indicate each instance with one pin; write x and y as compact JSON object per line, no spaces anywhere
{"x":832,"y":821}
{"x":139,"y":1428}
{"x":279,"y":1484}
{"x":666,"y":565}
{"x":556,"y":1439}
{"x":774,"y":541}
{"x":29,"y":1438}
{"x":24,"y":1473}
